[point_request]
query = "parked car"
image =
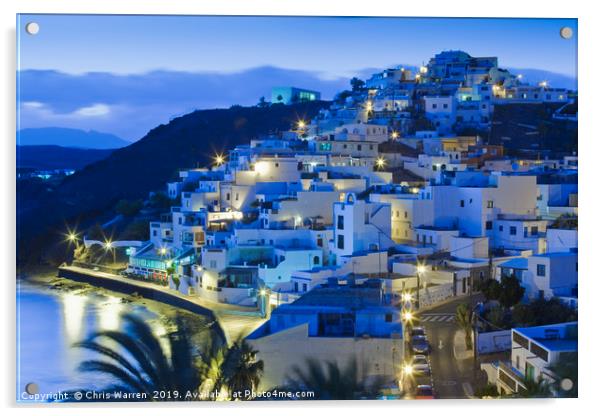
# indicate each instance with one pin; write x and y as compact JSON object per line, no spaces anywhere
{"x":424,"y":392}
{"x":420,"y":344}
{"x":420,"y":365}
{"x":418,"y":330}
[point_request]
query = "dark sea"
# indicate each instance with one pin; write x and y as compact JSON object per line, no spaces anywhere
{"x":53,"y":316}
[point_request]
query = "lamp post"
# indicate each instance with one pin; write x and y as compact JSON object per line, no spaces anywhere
{"x":419,"y":270}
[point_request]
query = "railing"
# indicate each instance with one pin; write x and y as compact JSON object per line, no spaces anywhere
{"x":98,"y":267}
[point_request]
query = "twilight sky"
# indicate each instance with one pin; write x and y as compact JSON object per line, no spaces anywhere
{"x":126,"y":74}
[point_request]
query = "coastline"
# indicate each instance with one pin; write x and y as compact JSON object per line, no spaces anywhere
{"x":235,"y":322}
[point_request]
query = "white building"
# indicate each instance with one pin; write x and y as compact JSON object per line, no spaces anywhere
{"x":360,"y":226}
{"x":535,"y":351}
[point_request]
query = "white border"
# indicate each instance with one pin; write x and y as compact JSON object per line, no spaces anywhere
{"x":590,"y":200}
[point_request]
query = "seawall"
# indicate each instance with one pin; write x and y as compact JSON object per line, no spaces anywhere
{"x":131,"y":288}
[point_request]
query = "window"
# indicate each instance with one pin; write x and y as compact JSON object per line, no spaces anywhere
{"x":340,"y":222}
{"x":541,"y":269}
{"x":213,"y":264}
{"x":405,"y":214}
{"x":341,"y":242}
{"x":296,"y":286}
{"x":444,"y":105}
{"x":461,"y":203}
{"x":320,"y":242}
{"x":512,"y":230}
{"x":434,"y":106}
{"x":228,"y":196}
{"x":389,"y":317}
{"x":489,"y":204}
{"x":305,"y":287}
{"x":534,"y":230}
{"x":488,"y":225}
{"x":359,"y":147}
{"x":316,"y":260}
{"x":501,"y":228}
{"x":236,"y":197}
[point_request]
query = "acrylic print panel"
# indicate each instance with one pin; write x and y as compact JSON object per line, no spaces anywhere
{"x":295,"y":208}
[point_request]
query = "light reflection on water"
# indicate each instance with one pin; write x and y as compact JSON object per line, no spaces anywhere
{"x":50,"y":321}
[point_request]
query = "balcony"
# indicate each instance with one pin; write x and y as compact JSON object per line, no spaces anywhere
{"x":510,"y":376}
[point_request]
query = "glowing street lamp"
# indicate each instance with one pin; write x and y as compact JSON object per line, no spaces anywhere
{"x":408,"y":369}
{"x":163,"y":251}
{"x":543,"y":84}
{"x":301,"y":124}
{"x":72,"y":237}
{"x":380,"y":163}
{"x":406,"y":297}
{"x":108,"y":245}
{"x":407,"y":316}
{"x":394,"y":135}
{"x":219,"y":159}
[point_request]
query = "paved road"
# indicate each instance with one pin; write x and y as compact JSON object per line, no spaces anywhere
{"x":452,"y":378}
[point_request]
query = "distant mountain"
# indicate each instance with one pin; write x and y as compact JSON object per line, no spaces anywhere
{"x":57,"y":157}
{"x":90,"y":194}
{"x":65,"y":137}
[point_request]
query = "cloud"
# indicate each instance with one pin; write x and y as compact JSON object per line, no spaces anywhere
{"x":94,"y":110}
{"x":130,"y":105}
{"x":32,"y":104}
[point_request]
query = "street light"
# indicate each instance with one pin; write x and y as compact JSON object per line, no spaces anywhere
{"x":406,"y":297}
{"x":380,"y":163}
{"x":408,"y":316}
{"x":219,"y":159}
{"x":420,"y":269}
{"x":301,"y":124}
{"x":163,"y":251}
{"x":394,"y":135}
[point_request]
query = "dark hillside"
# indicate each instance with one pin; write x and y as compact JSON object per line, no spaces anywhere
{"x":532,"y":128}
{"x":131,"y":172}
{"x":58,"y":157}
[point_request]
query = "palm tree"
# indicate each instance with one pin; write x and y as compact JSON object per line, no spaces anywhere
{"x":140,"y":364}
{"x":330,"y":382}
{"x":242,"y":371}
{"x":464,"y":321}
